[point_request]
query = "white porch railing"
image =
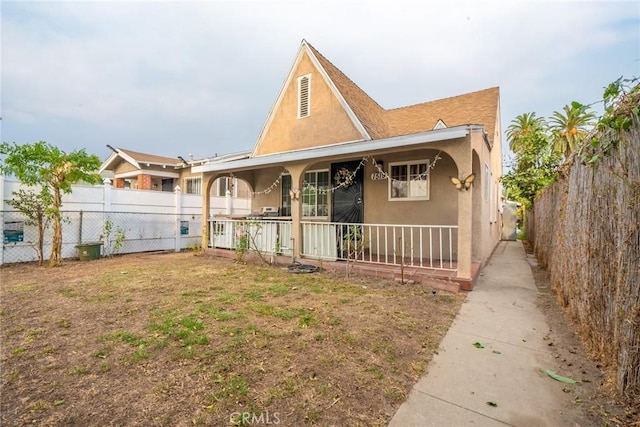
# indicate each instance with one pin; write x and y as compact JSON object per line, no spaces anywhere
{"x":432,"y":246}
{"x":267,"y":236}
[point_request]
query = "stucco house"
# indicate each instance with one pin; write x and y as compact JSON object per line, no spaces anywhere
{"x":335,"y":176}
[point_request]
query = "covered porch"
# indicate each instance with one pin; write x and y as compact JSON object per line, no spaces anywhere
{"x":355,"y":219}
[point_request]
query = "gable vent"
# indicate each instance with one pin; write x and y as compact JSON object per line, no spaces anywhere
{"x":304,"y":93}
{"x":440,"y":125}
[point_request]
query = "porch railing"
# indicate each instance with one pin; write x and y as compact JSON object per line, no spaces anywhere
{"x":267,"y":236}
{"x":432,"y":246}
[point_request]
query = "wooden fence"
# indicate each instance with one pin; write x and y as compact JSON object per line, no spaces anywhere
{"x":585,"y":230}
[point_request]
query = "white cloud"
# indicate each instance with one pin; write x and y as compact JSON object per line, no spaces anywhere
{"x":211,"y":70}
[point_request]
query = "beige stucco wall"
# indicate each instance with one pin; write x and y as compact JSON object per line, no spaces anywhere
{"x":124,"y":167}
{"x":487,"y":193}
{"x":440,"y":209}
{"x":327,"y":123}
{"x":262,"y":180}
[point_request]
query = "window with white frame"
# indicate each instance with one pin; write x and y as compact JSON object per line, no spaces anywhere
{"x":409,"y":180}
{"x":224,"y":184}
{"x":193,"y":185}
{"x":304,"y":96}
{"x":314,"y":194}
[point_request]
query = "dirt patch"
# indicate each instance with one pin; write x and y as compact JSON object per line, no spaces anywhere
{"x":592,"y":396}
{"x":184,"y":340}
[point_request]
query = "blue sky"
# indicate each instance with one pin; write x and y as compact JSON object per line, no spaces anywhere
{"x":180,"y":78}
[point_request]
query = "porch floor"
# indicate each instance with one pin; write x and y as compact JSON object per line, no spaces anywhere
{"x":437,"y":279}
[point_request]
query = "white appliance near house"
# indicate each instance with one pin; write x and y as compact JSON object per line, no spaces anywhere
{"x":269,"y":211}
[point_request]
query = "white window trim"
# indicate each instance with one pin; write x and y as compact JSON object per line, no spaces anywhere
{"x":407,"y":164}
{"x":328,"y":203}
{"x":308,"y":77}
{"x":234,"y":186}
{"x":194,"y":179}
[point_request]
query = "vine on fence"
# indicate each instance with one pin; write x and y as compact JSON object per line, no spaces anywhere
{"x":544,"y":149}
{"x":621,"y":107}
{"x":112,"y":243}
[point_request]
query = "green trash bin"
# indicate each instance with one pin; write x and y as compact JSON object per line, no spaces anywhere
{"x":89,"y":251}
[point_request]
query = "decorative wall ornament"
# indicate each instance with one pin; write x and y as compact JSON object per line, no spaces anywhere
{"x":463,"y":184}
{"x":343,"y":178}
{"x":294,"y":193}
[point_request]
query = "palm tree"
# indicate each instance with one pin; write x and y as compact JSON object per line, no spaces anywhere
{"x":569,"y":128}
{"x":523,"y":127}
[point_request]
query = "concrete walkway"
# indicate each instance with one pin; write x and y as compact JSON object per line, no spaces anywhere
{"x":461,"y":379}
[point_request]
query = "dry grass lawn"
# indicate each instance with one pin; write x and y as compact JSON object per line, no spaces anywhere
{"x":186,"y":340}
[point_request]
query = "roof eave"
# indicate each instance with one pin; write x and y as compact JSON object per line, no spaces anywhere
{"x":340,"y":150}
{"x":107,"y":163}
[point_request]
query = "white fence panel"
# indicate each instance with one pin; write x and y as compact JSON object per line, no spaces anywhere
{"x":151,"y":220}
{"x":320,"y":240}
{"x":271,"y":237}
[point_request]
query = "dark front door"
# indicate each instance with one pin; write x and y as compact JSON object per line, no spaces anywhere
{"x":347,"y":205}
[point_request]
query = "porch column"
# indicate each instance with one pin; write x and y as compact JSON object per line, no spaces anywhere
{"x":207,"y":182}
{"x":178,"y":210}
{"x":144,"y":182}
{"x":465,"y":231}
{"x":297,"y":172}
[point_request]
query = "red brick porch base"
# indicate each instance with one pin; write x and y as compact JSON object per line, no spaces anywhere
{"x":434,"y":279}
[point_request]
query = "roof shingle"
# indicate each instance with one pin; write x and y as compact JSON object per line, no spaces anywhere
{"x":150,"y":158}
{"x":477,"y":108}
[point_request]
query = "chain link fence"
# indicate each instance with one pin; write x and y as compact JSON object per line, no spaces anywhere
{"x":115,"y":232}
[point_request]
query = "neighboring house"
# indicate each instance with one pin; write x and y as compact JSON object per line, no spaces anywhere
{"x":142,"y":171}
{"x":349,"y":179}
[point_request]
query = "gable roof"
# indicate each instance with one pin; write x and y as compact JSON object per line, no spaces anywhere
{"x":138,"y":160}
{"x":151,"y":158}
{"x":369,"y":112}
{"x":479,"y":108}
{"x":324,"y":69}
{"x":475,"y":108}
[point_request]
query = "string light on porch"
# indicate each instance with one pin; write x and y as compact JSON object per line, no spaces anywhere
{"x":420,"y":177}
{"x":344,"y":177}
{"x":272,"y":186}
